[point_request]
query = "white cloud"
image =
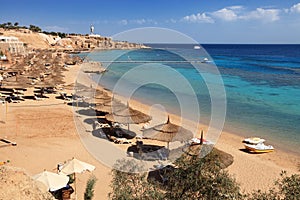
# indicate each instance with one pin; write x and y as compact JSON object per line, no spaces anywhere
{"x":226,"y":14}
{"x":235,"y":7}
{"x":138,"y":21}
{"x":238,"y":12}
{"x":123,"y":22}
{"x":266,"y":15}
{"x":173,"y":21}
{"x":295,"y":8}
{"x":285,"y":10}
{"x":198,"y":18}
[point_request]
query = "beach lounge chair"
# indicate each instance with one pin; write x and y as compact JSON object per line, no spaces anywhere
{"x":8,"y":142}
{"x":97,"y":124}
{"x":63,"y":95}
{"x":122,"y":141}
{"x":37,"y":98}
{"x":2,"y":101}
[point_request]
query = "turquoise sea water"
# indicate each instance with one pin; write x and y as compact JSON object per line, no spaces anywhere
{"x":262,"y":84}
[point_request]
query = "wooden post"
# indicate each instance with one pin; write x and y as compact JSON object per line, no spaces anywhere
{"x":201,"y":137}
{"x":75,"y":191}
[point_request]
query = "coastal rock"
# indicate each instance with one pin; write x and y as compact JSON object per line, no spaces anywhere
{"x":16,"y":184}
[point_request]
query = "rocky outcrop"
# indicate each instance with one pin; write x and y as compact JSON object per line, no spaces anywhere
{"x":16,"y":184}
{"x":33,"y":40}
{"x":92,"y":42}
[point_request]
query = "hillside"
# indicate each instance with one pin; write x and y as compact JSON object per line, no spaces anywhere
{"x":35,"y":40}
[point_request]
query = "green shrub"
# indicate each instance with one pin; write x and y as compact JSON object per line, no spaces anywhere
{"x":193,"y":179}
{"x":89,"y":190}
{"x":286,"y":188}
{"x":131,"y":185}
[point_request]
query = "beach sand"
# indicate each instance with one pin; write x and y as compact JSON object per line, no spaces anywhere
{"x":46,"y":135}
{"x":252,"y":171}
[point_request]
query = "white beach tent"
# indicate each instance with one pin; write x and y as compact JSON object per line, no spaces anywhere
{"x":76,"y":166}
{"x":51,"y":180}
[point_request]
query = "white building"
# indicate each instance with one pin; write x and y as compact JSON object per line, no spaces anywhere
{"x":12,"y":44}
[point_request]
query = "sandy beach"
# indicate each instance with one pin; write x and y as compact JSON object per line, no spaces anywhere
{"x":252,"y":171}
{"x":46,"y":135}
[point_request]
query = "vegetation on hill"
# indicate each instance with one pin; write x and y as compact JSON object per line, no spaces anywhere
{"x":285,"y":188}
{"x":9,"y":25}
{"x":33,"y":28}
{"x":193,"y":178}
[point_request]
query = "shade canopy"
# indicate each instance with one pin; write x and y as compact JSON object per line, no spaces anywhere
{"x":168,"y":132}
{"x":101,"y":99}
{"x":20,"y":82}
{"x":76,"y":166}
{"x":110,"y":106}
{"x":51,"y":180}
{"x":87,"y":92}
{"x":128,"y":116}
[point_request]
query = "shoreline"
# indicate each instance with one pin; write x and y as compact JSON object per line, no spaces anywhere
{"x":44,"y":131}
{"x":279,"y":138}
{"x":265,"y":166}
{"x":255,"y":163}
{"x":234,"y":132}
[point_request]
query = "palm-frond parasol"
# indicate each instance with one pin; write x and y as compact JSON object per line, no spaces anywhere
{"x":168,"y":132}
{"x":128,"y":116}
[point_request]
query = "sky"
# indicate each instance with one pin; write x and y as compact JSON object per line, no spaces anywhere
{"x":206,"y":21}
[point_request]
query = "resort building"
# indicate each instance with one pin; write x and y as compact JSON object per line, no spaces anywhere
{"x":12,"y":45}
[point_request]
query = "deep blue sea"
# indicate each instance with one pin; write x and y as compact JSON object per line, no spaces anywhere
{"x":262,"y":84}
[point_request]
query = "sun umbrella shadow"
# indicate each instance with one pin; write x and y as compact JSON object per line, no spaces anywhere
{"x":99,"y":133}
{"x":81,"y":104}
{"x":160,"y":175}
{"x":62,"y":98}
{"x":148,"y":152}
{"x":92,"y":120}
{"x":89,"y":112}
{"x":119,"y":133}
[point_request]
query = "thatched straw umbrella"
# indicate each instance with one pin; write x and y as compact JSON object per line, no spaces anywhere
{"x":168,"y":132}
{"x":103,"y":100}
{"x":102,"y":97}
{"x":21,"y":82}
{"x":128,"y":116}
{"x":99,"y":100}
{"x":110,"y":106}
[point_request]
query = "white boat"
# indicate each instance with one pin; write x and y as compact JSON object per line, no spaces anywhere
{"x":205,"y":60}
{"x":259,"y":148}
{"x":254,"y":140}
{"x":197,"y":47}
